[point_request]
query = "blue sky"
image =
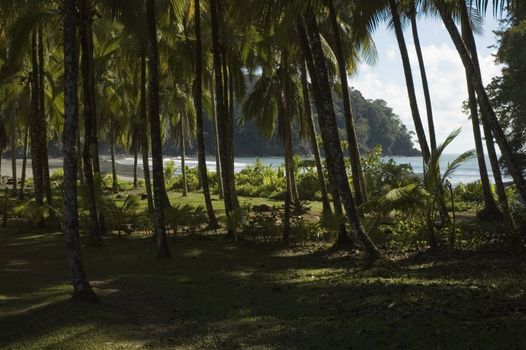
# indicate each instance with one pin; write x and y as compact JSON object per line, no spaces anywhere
{"x":385,"y":79}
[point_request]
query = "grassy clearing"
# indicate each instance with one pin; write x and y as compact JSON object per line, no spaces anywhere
{"x":213,"y":294}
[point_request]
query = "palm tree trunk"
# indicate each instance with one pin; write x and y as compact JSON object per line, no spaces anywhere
{"x":42,"y":133}
{"x":135,"y":159}
{"x":230,"y":133}
{"x":314,"y":138}
{"x":24,"y":163}
{"x":36,"y":164}
{"x":328,"y":126}
{"x":491,"y":211}
{"x":81,"y":286}
{"x":144,"y":138}
{"x":13,"y":152}
{"x":287,"y":131}
{"x":221,"y":112}
{"x":94,"y":225}
{"x":80,"y":165}
{"x":425,"y":84}
{"x":183,"y":155}
{"x":419,"y":128}
{"x":488,"y":113}
{"x":155,"y":131}
{"x":360,"y":191}
{"x":343,"y":238}
{"x":469,"y":41}
{"x":217,"y":144}
{"x":201,"y":154}
{"x":495,"y":167}
{"x":114,"y":183}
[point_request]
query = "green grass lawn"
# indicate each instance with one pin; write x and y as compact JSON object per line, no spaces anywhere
{"x":215,"y":295}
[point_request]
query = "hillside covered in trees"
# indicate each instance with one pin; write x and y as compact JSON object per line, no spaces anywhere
{"x":376,"y":124}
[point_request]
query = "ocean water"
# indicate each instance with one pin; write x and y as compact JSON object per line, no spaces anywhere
{"x":467,"y":172}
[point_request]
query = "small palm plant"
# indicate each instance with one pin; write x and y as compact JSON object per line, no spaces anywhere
{"x":420,"y":200}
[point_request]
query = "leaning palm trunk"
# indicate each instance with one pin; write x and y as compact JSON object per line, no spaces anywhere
{"x":491,"y":211}
{"x":314,"y":138}
{"x":469,"y":41}
{"x":423,"y":75}
{"x":327,"y":121}
{"x":360,"y":190}
{"x":135,"y":160}
{"x":488,"y":113}
{"x":198,"y":102}
{"x":144,"y":138}
{"x":155,"y":132}
{"x":81,"y":286}
{"x":419,"y":128}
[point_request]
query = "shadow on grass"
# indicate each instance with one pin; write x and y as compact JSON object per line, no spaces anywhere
{"x":213,"y":294}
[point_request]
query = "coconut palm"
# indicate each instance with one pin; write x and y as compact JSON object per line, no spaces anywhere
{"x":155,"y":133}
{"x":81,"y":286}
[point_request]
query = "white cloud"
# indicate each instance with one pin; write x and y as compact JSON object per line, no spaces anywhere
{"x":447,"y":83}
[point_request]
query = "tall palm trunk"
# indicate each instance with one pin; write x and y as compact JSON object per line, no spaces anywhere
{"x":198,"y":102}
{"x":423,"y":76}
{"x":469,"y":40}
{"x":217,"y":144}
{"x":419,"y":128}
{"x":229,"y":106}
{"x":24,"y":162}
{"x":42,"y":132}
{"x":314,"y":138}
{"x":13,"y":152}
{"x":488,"y":113}
{"x":491,"y":210}
{"x":287,"y":130}
{"x":114,"y":183}
{"x":144,"y":138}
{"x":221,"y":112}
{"x":36,"y":164}
{"x":155,"y":132}
{"x":343,"y":238}
{"x":94,"y":225}
{"x":135,"y":159}
{"x":495,"y":168}
{"x":182,"y":130}
{"x":360,"y":191}
{"x":328,"y":126}
{"x":81,"y":286}
{"x":80,"y":165}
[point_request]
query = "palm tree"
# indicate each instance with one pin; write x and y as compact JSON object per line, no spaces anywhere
{"x":88,"y":114}
{"x":419,"y":128}
{"x":329,"y":129}
{"x":155,"y":133}
{"x":198,"y":96}
{"x":354,"y":152}
{"x":491,"y":210}
{"x":423,"y":75}
{"x":487,"y":111}
{"x":82,"y":288}
{"x":313,"y":137}
{"x":144,"y":137}
{"x":221,"y":112}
